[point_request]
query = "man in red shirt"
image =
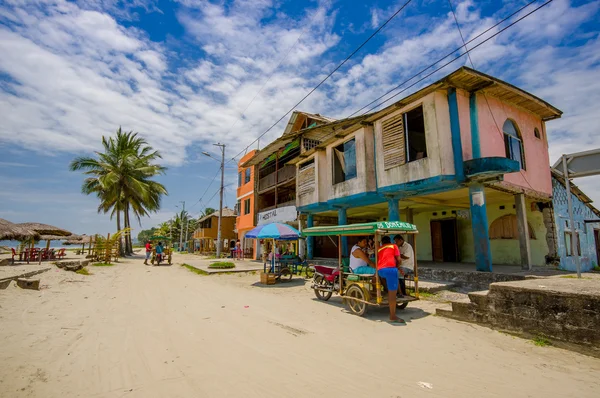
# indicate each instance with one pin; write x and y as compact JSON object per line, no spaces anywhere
{"x":148,"y":252}
{"x":388,"y":261}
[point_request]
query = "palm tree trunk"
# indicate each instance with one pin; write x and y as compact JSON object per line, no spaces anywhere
{"x":121,"y":251}
{"x":129,"y":246}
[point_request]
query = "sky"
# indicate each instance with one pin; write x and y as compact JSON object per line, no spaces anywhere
{"x":186,"y":74}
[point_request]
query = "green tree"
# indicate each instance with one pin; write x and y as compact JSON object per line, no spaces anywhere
{"x":146,"y":234}
{"x":121,"y":178}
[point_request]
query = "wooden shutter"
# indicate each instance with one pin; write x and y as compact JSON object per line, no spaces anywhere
{"x":306,"y":180}
{"x":394,"y":149}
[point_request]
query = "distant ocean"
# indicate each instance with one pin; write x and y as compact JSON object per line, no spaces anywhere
{"x":55,"y":244}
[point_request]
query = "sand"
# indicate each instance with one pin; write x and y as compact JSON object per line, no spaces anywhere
{"x":136,"y":331}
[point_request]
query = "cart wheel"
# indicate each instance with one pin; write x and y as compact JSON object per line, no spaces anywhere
{"x":309,"y":272}
{"x":285,"y":275}
{"x":356,"y":307}
{"x":321,"y":295}
{"x":401,"y":306}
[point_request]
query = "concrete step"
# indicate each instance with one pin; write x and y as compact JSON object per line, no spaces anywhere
{"x":479,"y":299}
{"x":434,"y":287}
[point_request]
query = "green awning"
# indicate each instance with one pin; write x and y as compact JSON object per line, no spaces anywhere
{"x":382,"y":227}
{"x":292,"y":145}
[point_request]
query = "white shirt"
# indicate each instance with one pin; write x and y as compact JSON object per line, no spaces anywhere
{"x":355,"y":262}
{"x":407,"y":250}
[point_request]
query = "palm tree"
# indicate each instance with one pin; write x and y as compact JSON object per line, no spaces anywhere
{"x":121,"y":178}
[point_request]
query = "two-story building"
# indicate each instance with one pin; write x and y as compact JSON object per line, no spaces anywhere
{"x":207,"y":231}
{"x":246,"y":200}
{"x":465,"y":159}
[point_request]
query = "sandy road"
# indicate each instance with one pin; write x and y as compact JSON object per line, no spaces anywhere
{"x":136,"y":331}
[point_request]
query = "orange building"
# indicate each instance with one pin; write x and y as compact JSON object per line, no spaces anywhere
{"x":246,"y":208}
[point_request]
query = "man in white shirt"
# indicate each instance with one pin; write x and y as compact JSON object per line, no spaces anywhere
{"x":359,"y":261}
{"x":407,"y":255}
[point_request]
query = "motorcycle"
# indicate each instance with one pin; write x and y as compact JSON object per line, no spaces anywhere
{"x":326,"y":281}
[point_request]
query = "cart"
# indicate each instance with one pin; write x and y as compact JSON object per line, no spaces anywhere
{"x":167,"y":250}
{"x":359,"y":292}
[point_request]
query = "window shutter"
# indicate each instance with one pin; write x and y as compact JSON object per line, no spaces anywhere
{"x":394,"y":150}
{"x":306,"y":180}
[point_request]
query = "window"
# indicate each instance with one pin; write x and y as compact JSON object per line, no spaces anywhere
{"x":238,"y":207}
{"x":414,"y":125}
{"x":206,"y":223}
{"x":247,"y":175}
{"x":344,"y":161}
{"x":247,"y":206}
{"x":536,"y":132}
{"x":513,"y":145}
{"x":240,"y":179}
{"x":569,"y":243}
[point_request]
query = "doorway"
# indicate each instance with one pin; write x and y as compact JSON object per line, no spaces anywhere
{"x":444,"y":240}
{"x":597,"y":238}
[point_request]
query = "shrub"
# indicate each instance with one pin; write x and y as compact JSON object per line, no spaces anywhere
{"x":222,"y":265}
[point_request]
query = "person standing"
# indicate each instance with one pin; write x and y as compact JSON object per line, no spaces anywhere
{"x":388,"y":261}
{"x":148,"y":252}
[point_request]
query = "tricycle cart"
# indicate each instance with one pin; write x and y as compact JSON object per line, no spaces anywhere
{"x":360,"y":291}
{"x":167,"y":250}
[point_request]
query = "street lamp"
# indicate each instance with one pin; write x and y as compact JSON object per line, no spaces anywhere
{"x":222,"y":146}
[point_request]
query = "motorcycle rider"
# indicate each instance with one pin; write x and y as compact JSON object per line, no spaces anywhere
{"x":159,"y":252}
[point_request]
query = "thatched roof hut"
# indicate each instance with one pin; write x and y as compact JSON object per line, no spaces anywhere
{"x":45,"y":229}
{"x":80,"y":239}
{"x":11,"y":231}
{"x":55,"y":237}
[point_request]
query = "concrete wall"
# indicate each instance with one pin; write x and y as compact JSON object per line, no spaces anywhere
{"x":537,"y":174}
{"x":581,"y":212}
{"x":504,"y":251}
{"x":439,"y":160}
{"x":246,"y":191}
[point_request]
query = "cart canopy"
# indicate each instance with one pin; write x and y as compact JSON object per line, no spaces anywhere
{"x":382,"y":227}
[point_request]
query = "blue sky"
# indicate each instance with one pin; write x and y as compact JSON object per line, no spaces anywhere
{"x":182,"y":73}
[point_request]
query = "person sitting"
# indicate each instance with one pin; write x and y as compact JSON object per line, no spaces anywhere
{"x":159,"y":252}
{"x":388,"y":260}
{"x":359,"y":262}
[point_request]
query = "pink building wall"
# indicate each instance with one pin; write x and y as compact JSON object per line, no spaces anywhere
{"x":465,"y":124}
{"x":537,"y":162}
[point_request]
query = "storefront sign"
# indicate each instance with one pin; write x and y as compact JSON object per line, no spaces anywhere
{"x":280,"y":214}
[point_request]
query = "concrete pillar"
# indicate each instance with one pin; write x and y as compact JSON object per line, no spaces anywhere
{"x":523,"y":229}
{"x":310,"y":241}
{"x":479,"y":226}
{"x":343,"y":220}
{"x":393,"y":209}
{"x":410,"y":219}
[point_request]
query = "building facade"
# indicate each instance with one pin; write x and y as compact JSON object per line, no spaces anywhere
{"x":246,"y":205}
{"x":207,"y":232}
{"x":465,"y":159}
{"x":587,"y":227}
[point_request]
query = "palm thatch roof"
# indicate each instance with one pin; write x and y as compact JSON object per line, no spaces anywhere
{"x":11,"y":231}
{"x":80,"y":239}
{"x":45,"y":229}
{"x":56,"y":237}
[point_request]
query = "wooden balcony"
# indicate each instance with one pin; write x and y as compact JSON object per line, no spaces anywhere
{"x":285,"y":174}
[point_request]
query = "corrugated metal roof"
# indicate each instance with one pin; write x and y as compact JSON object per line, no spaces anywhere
{"x":227,"y":212}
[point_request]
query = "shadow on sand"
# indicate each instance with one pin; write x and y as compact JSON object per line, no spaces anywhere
{"x":295,"y":282}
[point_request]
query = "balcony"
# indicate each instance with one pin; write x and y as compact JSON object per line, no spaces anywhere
{"x":283,"y":175}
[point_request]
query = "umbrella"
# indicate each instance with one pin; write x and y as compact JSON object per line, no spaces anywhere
{"x":11,"y":231}
{"x":45,"y":229}
{"x":277,"y":231}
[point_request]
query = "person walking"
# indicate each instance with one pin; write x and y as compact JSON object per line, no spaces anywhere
{"x":148,"y":252}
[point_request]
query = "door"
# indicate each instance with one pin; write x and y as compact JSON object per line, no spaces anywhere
{"x":597,"y":237}
{"x":437,"y":244}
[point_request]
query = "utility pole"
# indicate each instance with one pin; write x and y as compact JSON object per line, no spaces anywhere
{"x":181,"y":225}
{"x":219,"y":240}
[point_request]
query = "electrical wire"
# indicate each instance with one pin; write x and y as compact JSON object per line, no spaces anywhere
{"x":326,"y":78}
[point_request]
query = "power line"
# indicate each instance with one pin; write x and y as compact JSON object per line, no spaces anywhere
{"x":444,"y":57}
{"x":206,"y":190}
{"x":483,"y":92}
{"x":327,"y":77}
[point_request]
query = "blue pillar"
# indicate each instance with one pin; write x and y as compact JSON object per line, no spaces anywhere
{"x":455,"y":132}
{"x":343,"y":220}
{"x":310,"y":241}
{"x":393,"y":210}
{"x":479,"y":225}
{"x":475,"y":142}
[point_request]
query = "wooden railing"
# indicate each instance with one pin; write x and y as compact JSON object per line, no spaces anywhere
{"x":285,"y":174}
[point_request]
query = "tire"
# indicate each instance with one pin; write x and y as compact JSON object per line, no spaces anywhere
{"x":285,"y":275}
{"x":401,"y":306}
{"x":309,"y":272}
{"x":356,"y":307}
{"x":321,"y":295}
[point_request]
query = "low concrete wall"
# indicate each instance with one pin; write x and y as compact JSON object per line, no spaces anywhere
{"x":467,"y":279}
{"x":563,"y":310}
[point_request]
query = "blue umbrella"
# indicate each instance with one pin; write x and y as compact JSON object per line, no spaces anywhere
{"x":277,"y":231}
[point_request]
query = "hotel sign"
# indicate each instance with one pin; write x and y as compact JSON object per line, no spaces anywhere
{"x":280,"y":214}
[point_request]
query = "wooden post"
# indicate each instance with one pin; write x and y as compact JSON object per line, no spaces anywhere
{"x":377,"y":281}
{"x":341,"y":268}
{"x":107,"y":249}
{"x":90,"y":249}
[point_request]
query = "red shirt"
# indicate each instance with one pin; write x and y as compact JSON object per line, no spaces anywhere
{"x":148,"y":247}
{"x":386,"y":256}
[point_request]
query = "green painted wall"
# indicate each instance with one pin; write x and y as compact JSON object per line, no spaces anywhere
{"x":504,"y":251}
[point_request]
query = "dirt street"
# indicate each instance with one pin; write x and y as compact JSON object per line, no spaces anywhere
{"x":137,"y":331}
